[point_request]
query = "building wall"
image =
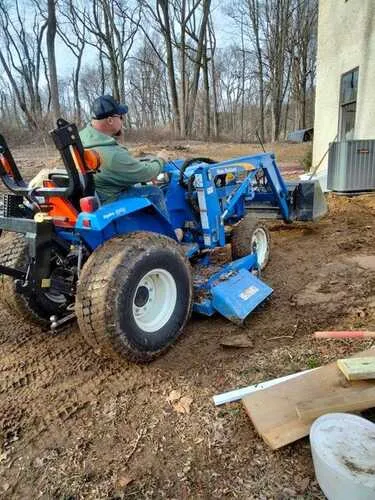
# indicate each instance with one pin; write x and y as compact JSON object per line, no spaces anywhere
{"x":346,"y":39}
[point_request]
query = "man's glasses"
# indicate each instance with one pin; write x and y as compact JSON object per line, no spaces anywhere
{"x":118,"y":116}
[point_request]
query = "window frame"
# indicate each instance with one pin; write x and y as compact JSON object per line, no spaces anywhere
{"x":344,"y":103}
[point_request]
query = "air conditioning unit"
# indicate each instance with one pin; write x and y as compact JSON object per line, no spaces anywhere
{"x":351,"y":166}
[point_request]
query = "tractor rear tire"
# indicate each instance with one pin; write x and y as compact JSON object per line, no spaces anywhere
{"x":37,"y":308}
{"x":134,"y":296}
{"x":250,"y":235}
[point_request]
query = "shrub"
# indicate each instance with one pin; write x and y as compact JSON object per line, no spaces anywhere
{"x":306,"y":161}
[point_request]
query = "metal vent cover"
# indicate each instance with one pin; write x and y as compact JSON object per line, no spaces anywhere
{"x":351,"y":166}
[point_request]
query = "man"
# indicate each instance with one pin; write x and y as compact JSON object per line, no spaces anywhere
{"x":119,"y":171}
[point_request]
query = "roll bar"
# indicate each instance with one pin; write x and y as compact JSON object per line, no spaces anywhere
{"x":66,"y":139}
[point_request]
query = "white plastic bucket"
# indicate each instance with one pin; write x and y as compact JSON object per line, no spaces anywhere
{"x":343,"y":451}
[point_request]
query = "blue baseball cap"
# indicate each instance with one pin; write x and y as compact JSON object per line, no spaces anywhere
{"x":105,"y":106}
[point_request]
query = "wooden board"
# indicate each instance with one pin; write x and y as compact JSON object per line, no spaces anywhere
{"x":358,"y":368}
{"x":360,"y":400}
{"x":273,"y":410}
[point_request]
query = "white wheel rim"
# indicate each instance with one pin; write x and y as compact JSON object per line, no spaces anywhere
{"x":259,"y":244}
{"x":154,"y":300}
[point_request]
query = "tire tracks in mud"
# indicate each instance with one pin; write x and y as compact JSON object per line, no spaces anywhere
{"x":50,"y":383}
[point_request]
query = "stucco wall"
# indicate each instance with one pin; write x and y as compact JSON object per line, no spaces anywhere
{"x":346,"y":39}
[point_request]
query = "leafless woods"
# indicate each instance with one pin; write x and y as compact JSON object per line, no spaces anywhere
{"x":197,"y":68}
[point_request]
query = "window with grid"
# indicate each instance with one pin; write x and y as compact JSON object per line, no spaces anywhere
{"x":348,"y":104}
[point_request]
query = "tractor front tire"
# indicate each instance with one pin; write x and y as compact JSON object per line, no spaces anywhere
{"x":250,"y":235}
{"x":36,"y":308}
{"x":134,"y":296}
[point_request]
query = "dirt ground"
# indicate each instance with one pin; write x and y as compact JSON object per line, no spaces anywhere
{"x":73,"y":426}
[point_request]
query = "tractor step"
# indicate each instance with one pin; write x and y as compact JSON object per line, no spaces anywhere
{"x":190,"y":249}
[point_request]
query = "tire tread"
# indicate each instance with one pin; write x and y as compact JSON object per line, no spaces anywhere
{"x":96,"y":293}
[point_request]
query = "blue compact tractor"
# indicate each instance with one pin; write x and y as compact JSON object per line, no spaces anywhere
{"x":119,"y":268}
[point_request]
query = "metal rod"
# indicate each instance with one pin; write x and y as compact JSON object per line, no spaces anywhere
{"x":15,"y":273}
{"x":55,"y":323}
{"x":237,"y":394}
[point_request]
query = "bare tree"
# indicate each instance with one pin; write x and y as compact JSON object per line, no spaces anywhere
{"x":199,"y":35}
{"x":183,"y":25}
{"x":212,"y":44}
{"x":75,"y":39}
{"x":277,"y":34}
{"x":113,"y":25}
{"x":174,"y":74}
{"x":161,"y":17}
{"x":51,"y":35}
{"x":248,"y":16}
{"x":254,"y":16}
{"x":147,"y":80}
{"x":304,"y":44}
{"x":21,"y":57}
{"x":91,"y":82}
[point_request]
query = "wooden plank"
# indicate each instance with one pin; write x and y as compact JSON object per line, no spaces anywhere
{"x":357,"y":368}
{"x":360,"y":400}
{"x":273,"y":410}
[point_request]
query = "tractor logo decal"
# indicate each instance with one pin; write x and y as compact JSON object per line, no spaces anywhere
{"x":248,"y":292}
{"x":116,"y":213}
{"x":246,"y":165}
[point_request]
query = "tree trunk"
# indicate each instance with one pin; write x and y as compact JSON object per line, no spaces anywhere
{"x":242,"y":84}
{"x":20,"y":99}
{"x":102,"y":73}
{"x":166,"y":30}
{"x":51,"y":34}
{"x":197,"y":65}
{"x":213,"y":82}
{"x":183,"y":86}
{"x":207,"y":118}
{"x":255,"y":18}
{"x":76,"y":89}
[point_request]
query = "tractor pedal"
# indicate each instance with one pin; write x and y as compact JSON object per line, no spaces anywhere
{"x":56,"y":323}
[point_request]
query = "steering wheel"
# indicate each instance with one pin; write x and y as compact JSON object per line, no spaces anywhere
{"x":190,"y":182}
{"x":191,"y":161}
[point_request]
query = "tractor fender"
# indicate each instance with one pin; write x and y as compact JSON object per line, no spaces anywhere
{"x":121,"y":217}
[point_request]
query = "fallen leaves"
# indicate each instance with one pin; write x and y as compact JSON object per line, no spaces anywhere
{"x":173,"y":396}
{"x":124,"y":480}
{"x":181,"y":404}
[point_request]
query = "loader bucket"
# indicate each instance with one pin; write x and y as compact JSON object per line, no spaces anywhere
{"x":310,"y":203}
{"x":237,"y":295}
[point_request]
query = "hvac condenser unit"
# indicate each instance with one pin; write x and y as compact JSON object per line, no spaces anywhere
{"x":351,"y":166}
